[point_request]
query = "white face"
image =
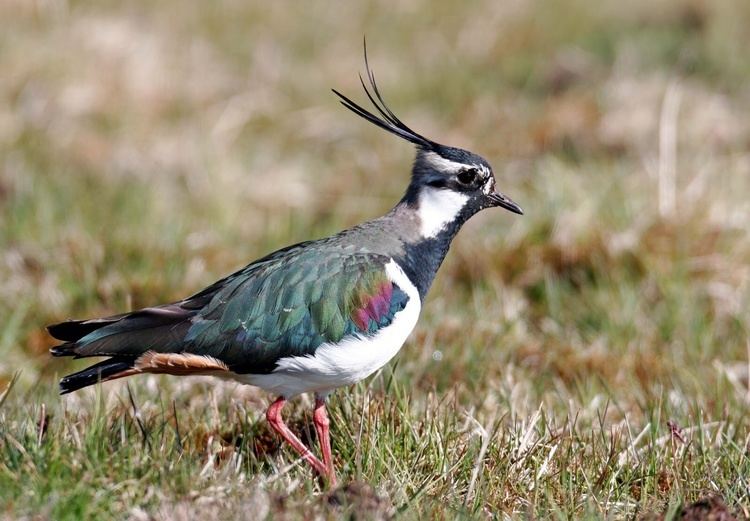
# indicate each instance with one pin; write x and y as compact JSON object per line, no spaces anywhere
{"x":440,"y":205}
{"x":437,"y":208}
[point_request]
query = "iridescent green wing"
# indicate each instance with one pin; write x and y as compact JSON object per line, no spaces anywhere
{"x":290,"y":305}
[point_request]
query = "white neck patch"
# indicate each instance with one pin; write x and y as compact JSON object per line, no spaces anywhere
{"x":438,"y":207}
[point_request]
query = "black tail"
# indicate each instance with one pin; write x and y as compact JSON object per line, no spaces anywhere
{"x":66,"y":349}
{"x":123,"y":338}
{"x":95,"y":374}
{"x":73,"y":330}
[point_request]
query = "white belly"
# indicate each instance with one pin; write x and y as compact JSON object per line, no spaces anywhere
{"x":347,"y":362}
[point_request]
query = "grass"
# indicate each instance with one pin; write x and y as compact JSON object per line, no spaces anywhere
{"x":586,"y":360}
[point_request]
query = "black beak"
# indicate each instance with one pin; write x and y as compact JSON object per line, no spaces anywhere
{"x":498,"y":199}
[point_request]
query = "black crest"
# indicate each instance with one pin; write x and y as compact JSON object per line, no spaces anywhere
{"x":388,"y":121}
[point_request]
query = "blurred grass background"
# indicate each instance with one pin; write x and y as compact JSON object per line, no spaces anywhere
{"x":147,"y":149}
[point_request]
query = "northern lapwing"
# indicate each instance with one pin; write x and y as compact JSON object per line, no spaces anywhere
{"x":311,"y":317}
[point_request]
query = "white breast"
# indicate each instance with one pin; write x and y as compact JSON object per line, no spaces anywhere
{"x":349,"y":361}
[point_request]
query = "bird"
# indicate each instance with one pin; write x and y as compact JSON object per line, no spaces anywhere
{"x":314,"y":316}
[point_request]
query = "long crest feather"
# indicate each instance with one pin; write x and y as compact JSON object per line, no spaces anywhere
{"x":388,"y":120}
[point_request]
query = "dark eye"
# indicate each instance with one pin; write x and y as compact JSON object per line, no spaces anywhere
{"x":468,"y":176}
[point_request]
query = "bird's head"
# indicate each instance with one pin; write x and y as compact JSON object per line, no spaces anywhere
{"x":448,"y":183}
{"x":463,"y":173}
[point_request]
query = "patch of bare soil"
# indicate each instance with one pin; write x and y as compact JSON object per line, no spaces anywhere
{"x":361,"y":501}
{"x":709,"y":508}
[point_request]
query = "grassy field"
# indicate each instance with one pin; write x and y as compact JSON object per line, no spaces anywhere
{"x":587,"y":360}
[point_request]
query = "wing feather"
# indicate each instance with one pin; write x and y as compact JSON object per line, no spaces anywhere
{"x":287,"y":304}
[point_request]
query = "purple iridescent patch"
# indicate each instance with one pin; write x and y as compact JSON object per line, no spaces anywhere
{"x":374,"y":306}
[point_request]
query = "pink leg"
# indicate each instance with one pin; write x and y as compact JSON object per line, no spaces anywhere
{"x":320,"y":418}
{"x":273,"y":415}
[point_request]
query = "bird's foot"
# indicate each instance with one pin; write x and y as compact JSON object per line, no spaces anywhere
{"x":323,"y":468}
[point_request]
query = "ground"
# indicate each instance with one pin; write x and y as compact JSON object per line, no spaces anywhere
{"x":586,"y":360}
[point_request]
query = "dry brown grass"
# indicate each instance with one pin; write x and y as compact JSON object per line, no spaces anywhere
{"x":146,"y":150}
